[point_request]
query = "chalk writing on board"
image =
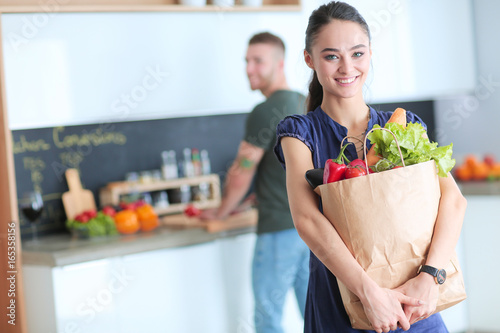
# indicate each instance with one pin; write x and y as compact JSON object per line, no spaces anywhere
{"x":36,"y":166}
{"x":95,"y":137}
{"x":24,"y":146}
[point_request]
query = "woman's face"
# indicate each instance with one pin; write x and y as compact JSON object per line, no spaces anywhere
{"x":341,"y":57}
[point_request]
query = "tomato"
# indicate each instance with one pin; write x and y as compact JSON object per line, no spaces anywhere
{"x":489,"y":159}
{"x":90,"y":213}
{"x":359,"y":162}
{"x":127,"y":205}
{"x":108,"y":210}
{"x":355,"y":171}
{"x":82,"y":217}
{"x":192,"y":211}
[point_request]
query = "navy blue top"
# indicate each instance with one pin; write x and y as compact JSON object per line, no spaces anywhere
{"x":322,"y":135}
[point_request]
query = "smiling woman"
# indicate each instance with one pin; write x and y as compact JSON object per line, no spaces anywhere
{"x":338,"y":51}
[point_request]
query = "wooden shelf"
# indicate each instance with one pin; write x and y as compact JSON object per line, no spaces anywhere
{"x":35,"y":6}
{"x":111,"y":194}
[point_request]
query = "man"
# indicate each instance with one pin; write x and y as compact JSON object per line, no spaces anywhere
{"x":281,"y":258}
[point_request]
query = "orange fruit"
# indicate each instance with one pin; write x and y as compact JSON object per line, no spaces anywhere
{"x":127,"y":222}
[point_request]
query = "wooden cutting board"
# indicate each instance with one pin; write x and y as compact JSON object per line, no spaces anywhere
{"x":243,"y":219}
{"x":77,"y":199}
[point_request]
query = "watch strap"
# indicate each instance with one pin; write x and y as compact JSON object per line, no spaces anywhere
{"x":438,"y":274}
{"x":429,"y":270}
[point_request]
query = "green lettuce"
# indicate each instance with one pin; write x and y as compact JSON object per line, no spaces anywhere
{"x":415,"y":148}
{"x":101,"y":225}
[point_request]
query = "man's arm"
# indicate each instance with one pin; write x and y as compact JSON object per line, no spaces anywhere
{"x":238,"y":179}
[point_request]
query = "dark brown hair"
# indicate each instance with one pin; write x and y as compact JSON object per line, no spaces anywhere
{"x":267,"y":38}
{"x":320,"y":17}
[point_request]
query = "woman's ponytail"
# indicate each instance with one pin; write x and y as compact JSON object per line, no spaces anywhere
{"x":315,"y":96}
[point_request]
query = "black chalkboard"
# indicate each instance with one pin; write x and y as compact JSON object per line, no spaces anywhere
{"x":106,"y":152}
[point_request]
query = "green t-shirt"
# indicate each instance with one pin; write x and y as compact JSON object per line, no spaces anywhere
{"x":270,"y":183}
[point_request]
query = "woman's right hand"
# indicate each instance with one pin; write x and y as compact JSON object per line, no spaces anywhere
{"x":384,"y":308}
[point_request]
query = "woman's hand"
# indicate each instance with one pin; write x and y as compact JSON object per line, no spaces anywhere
{"x":424,"y":288}
{"x":384,"y":308}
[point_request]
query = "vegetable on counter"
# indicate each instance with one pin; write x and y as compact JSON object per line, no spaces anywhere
{"x":192,"y":211}
{"x":92,"y":224}
{"x":132,"y":217}
{"x":148,"y":219}
{"x":127,"y":222}
{"x":473,"y":169}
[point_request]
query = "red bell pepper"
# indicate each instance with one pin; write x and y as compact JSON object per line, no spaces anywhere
{"x":335,"y":168}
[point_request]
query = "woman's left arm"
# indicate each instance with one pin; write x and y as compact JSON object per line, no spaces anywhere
{"x":444,"y":240}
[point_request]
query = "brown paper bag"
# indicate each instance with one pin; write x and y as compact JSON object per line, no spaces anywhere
{"x":387,"y":220}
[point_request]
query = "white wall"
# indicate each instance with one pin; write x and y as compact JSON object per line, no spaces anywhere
{"x":421,"y":49}
{"x":471,"y":121}
{"x":83,"y":67}
{"x":73,"y":68}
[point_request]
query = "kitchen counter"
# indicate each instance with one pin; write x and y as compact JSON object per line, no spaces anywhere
{"x":62,"y":250}
{"x":480,"y":188}
{"x":146,"y":282}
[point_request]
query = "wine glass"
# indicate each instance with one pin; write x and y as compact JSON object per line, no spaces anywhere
{"x":31,"y":205}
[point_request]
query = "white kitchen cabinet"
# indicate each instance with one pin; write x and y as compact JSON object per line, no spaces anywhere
{"x":456,"y":318}
{"x":236,"y":263}
{"x":481,"y":232}
{"x":176,"y":290}
{"x":172,"y":290}
{"x":198,"y":288}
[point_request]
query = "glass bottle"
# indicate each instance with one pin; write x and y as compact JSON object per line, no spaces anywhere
{"x":205,"y":162}
{"x":188,"y":163}
{"x":196,"y":162}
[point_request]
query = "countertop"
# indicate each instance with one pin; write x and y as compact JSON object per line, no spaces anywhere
{"x":61,"y":250}
{"x":480,"y":188}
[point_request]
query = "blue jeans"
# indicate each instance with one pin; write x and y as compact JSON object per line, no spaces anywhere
{"x":281,"y":261}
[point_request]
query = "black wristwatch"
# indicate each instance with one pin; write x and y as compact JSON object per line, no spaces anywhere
{"x":439,"y":274}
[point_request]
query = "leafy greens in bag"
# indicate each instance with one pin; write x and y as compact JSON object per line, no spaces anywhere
{"x":415,"y":147}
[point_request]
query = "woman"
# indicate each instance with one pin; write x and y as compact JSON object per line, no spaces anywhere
{"x":338,"y":51}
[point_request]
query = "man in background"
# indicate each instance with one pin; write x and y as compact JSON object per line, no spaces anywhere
{"x":281,"y":258}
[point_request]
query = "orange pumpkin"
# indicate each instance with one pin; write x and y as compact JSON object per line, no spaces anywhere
{"x":148,"y":219}
{"x":127,"y":222}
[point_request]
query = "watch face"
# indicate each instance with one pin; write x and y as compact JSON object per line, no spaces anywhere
{"x":441,"y":276}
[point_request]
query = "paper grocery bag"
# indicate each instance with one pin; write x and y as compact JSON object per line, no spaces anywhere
{"x":387,"y":220}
